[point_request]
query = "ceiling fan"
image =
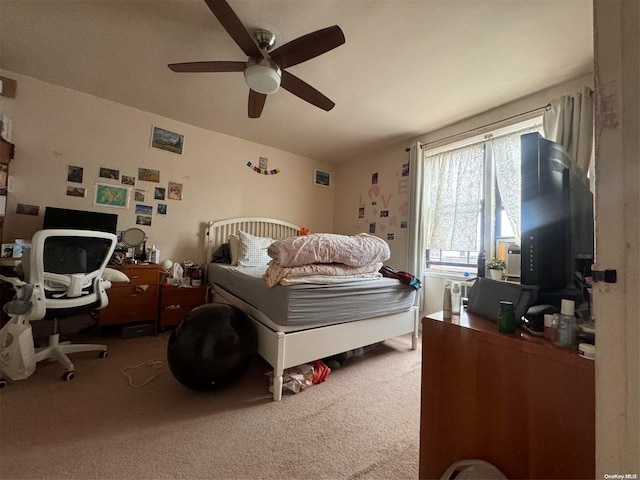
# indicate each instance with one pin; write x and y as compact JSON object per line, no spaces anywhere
{"x":264,"y":70}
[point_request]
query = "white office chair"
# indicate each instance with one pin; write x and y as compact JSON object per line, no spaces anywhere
{"x":64,"y":272}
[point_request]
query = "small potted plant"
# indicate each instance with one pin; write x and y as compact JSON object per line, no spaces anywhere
{"x":495,"y":267}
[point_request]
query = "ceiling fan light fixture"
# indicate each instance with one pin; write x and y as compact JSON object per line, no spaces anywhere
{"x":262,"y":75}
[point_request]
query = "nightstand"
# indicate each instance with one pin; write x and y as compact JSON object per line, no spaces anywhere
{"x":177,"y":302}
{"x":136,"y":301}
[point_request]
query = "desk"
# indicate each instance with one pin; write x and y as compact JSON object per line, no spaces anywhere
{"x":516,"y":401}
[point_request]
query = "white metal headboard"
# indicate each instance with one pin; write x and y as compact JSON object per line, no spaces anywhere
{"x":219,"y":231}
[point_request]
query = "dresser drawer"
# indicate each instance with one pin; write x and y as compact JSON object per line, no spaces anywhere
{"x":130,"y":304}
{"x":139,"y":275}
{"x":135,"y":301}
{"x":176,"y":303}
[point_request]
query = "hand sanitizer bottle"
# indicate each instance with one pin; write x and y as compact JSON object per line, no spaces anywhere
{"x":455,"y":298}
{"x":446,"y":301}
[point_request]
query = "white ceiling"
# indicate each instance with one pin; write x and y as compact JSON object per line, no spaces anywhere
{"x":408,"y":66}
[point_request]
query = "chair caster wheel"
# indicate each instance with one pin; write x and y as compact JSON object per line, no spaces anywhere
{"x":103,"y":354}
{"x":67,"y":376}
{"x":3,"y":383}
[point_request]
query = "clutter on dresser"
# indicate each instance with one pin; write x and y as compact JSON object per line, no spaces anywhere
{"x":185,"y":274}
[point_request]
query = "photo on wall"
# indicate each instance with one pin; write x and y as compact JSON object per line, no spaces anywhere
{"x":167,"y":140}
{"x":175,"y":191}
{"x":144,"y":209}
{"x":139,"y":195}
{"x":109,"y":195}
{"x":322,"y":178}
{"x":162,"y":209}
{"x":149,"y":175}
{"x":109,"y":173}
{"x":24,"y":209}
{"x":128,"y":180}
{"x":159,"y":193}
{"x":143,"y":220}
{"x":74,"y":174}
{"x":76,"y":191}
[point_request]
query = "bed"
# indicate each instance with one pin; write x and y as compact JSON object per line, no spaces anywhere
{"x":292,"y":322}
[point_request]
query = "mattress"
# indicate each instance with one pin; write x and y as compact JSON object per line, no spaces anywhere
{"x":312,"y":305}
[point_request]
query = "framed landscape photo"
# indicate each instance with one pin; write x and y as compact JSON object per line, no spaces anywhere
{"x":322,"y":178}
{"x":167,"y":140}
{"x":149,"y":175}
{"x":109,"y":195}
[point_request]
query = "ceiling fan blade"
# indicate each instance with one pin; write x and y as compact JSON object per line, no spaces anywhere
{"x":234,"y":27}
{"x":204,"y":67}
{"x":308,"y":46}
{"x":305,"y":91}
{"x":256,"y":103}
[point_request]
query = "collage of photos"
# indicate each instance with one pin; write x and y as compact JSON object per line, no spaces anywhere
{"x":116,"y":189}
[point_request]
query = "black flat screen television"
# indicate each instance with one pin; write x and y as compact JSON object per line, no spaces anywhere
{"x":556,"y":220}
{"x":79,"y":220}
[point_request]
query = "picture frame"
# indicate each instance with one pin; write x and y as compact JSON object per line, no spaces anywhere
{"x":174,"y":191}
{"x":75,"y":174}
{"x":128,"y":180}
{"x":76,"y":191}
{"x":159,"y":193}
{"x":110,"y":173}
{"x":111,"y":195}
{"x":167,"y":140}
{"x":144,"y":209}
{"x":139,"y":195}
{"x":322,"y":178}
{"x":143,"y":220}
{"x":149,"y":175}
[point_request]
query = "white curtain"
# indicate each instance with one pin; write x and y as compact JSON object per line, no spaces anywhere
{"x":505,"y":153}
{"x":452,"y":189}
{"x":569,"y":122}
{"x":416,"y":257}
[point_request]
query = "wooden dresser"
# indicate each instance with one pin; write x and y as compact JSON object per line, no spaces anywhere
{"x":136,"y":301}
{"x":515,"y":401}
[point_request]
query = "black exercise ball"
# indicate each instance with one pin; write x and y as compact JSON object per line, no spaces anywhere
{"x":211,"y":347}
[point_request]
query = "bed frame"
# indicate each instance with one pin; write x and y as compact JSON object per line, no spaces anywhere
{"x":284,"y":350}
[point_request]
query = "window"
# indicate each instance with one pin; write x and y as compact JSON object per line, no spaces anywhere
{"x":472,"y":198}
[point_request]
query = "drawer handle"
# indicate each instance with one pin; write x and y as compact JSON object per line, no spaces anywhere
{"x":133,"y":295}
{"x":173,"y":307}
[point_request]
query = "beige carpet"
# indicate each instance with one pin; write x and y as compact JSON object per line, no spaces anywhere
{"x":363,"y":422}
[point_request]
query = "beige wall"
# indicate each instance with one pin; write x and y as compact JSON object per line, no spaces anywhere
{"x":54,"y":127}
{"x":354,"y":186}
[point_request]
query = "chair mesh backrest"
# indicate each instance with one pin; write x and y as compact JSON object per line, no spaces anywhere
{"x":66,"y":255}
{"x":61,"y":258}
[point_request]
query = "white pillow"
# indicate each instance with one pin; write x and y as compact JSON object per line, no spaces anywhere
{"x":234,"y":248}
{"x":253,"y":250}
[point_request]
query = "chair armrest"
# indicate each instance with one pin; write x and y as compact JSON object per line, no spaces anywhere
{"x":15,"y":281}
{"x":113,"y":275}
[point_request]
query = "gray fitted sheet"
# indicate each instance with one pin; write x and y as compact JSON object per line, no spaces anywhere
{"x":313,"y":304}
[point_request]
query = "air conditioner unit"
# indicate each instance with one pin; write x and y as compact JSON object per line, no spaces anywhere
{"x":513,"y":265}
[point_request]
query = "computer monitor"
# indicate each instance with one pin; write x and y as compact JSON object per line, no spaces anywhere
{"x":79,"y":220}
